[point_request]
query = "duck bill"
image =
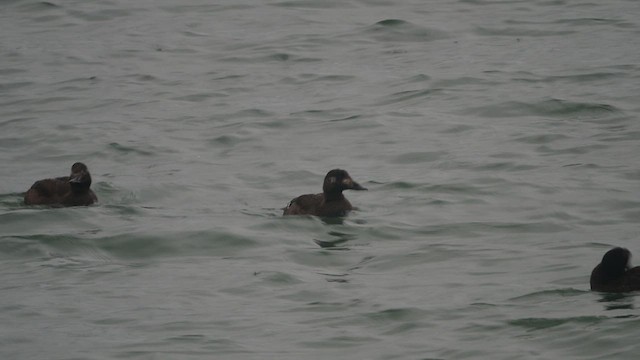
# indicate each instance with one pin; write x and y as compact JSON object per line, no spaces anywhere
{"x":356,"y":186}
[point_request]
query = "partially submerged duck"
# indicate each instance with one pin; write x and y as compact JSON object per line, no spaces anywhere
{"x":72,"y":190}
{"x":615,"y":274}
{"x":331,"y":202}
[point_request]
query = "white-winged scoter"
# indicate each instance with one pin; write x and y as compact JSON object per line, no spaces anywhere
{"x":72,"y":190}
{"x":329,"y":203}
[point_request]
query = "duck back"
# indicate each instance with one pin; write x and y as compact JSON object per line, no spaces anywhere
{"x":318,"y":205}
{"x":47,"y":191}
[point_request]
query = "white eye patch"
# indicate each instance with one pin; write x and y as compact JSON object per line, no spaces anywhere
{"x":332,"y":180}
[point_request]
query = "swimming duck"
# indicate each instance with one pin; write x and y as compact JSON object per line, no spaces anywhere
{"x":72,"y":190}
{"x":614,"y":273}
{"x":331,"y":202}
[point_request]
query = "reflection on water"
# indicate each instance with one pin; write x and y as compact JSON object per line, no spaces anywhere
{"x":618,"y":301}
{"x":335,"y":239}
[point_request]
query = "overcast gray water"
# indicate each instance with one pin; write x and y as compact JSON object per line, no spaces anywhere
{"x":498,"y":140}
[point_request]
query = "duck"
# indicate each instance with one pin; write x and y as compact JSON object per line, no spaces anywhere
{"x":72,"y":190}
{"x":329,"y":203}
{"x":614,"y":273}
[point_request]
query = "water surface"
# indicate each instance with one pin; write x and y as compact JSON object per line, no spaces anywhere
{"x":498,"y":140}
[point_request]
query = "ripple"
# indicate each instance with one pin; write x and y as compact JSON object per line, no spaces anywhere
{"x":545,"y":294}
{"x":340,"y":342}
{"x":552,"y":107}
{"x":5,"y":87}
{"x":535,"y":324}
{"x":590,"y":22}
{"x":581,"y":149}
{"x":129,"y":149}
{"x":572,"y":78}
{"x":203,"y":9}
{"x":311,"y":4}
{"x":11,"y":201}
{"x":519,"y":32}
{"x":100,"y":15}
{"x":60,"y":250}
{"x":396,"y":30}
{"x":199,"y":97}
{"x":541,"y":139}
{"x":317,"y":78}
{"x":409,"y":96}
{"x":12,"y":71}
{"x":398,"y":314}
{"x":505,"y":166}
{"x":149,"y":246}
{"x":274,"y":57}
{"x":419,"y":157}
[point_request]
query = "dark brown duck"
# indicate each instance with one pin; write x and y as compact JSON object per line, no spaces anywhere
{"x":331,"y":202}
{"x":615,"y":274}
{"x":72,"y":190}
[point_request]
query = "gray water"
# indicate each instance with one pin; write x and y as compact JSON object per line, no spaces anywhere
{"x":498,"y":140}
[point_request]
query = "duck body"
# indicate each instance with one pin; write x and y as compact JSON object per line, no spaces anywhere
{"x":331,"y":202}
{"x":614,"y":273}
{"x":318,"y":205}
{"x":73,"y":190}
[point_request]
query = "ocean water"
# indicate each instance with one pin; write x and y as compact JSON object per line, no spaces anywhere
{"x":499,"y":141}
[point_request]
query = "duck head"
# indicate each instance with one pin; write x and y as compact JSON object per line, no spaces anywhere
{"x":338,"y":180}
{"x":80,"y":179}
{"x":616,"y":262}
